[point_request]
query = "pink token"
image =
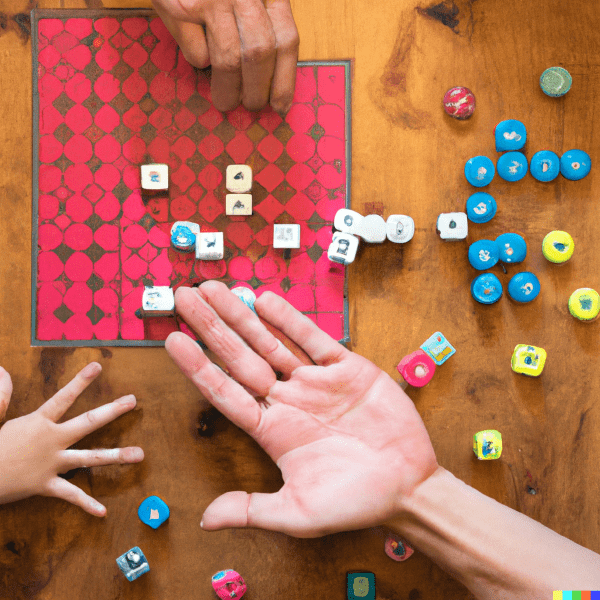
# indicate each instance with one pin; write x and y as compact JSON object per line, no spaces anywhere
{"x":459,"y":102}
{"x":228,"y":584}
{"x":397,"y":548}
{"x":417,"y":368}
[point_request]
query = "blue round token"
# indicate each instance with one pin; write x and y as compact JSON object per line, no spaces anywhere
{"x":524,"y":287}
{"x":486,"y":288}
{"x":510,"y":135}
{"x":545,"y":165}
{"x":512,"y":166}
{"x":153,"y":511}
{"x":483,"y":254}
{"x":512,"y":247}
{"x":183,"y":239}
{"x":479,"y":171}
{"x":481,"y":207}
{"x":575,"y":164}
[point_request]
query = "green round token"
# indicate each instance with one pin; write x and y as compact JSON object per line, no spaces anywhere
{"x":556,"y":81}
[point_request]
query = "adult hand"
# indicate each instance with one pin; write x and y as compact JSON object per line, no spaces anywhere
{"x":34,"y":447}
{"x":349,"y":442}
{"x":252,"y":47}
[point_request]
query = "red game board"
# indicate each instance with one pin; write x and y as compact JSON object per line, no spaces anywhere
{"x":113,"y":92}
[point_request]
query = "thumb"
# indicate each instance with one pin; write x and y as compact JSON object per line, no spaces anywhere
{"x":6,"y":389}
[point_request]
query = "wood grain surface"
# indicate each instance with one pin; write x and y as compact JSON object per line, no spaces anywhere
{"x":408,"y":158}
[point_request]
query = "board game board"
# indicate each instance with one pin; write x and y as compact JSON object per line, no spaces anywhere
{"x":112,"y":92}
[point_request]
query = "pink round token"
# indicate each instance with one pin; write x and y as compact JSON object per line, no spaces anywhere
{"x":417,"y":368}
{"x":459,"y":102}
{"x":397,"y":548}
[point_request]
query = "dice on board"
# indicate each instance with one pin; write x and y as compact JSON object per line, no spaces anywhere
{"x":286,"y":236}
{"x":155,"y":177}
{"x":372,"y":229}
{"x":438,"y":348}
{"x":209,"y":245}
{"x":238,"y":178}
{"x":452,"y":226}
{"x":228,"y":584}
{"x":487,"y":444}
{"x":360,"y":586}
{"x":397,"y":548}
{"x":342,"y":248}
{"x":400,"y":228}
{"x":133,"y":563}
{"x":417,"y":368}
{"x":158,"y":301}
{"x":347,"y":221}
{"x":153,"y":511}
{"x":238,"y":204}
{"x":528,"y":360}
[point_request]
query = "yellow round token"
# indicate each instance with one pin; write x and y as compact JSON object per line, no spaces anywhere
{"x":558,"y":246}
{"x":584,"y":304}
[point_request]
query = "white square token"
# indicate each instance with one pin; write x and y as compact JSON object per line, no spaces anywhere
{"x":372,"y":229}
{"x":342,"y":248}
{"x":347,"y":220}
{"x":193,"y":227}
{"x":400,"y":228}
{"x":238,"y":178}
{"x":155,"y":177}
{"x":286,"y":236}
{"x":238,"y":204}
{"x":209,"y":245}
{"x":453,"y":226}
{"x":158,"y":301}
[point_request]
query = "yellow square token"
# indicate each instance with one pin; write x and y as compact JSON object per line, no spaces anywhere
{"x":528,"y":360}
{"x":487,"y":444}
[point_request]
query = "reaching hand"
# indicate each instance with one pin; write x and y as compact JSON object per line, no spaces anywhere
{"x":252,"y":47}
{"x":33,"y":448}
{"x":349,"y":442}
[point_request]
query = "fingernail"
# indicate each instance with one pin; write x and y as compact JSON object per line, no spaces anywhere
{"x":91,"y":370}
{"x":202,"y":524}
{"x":96,"y":506}
{"x":126,"y":400}
{"x":136,"y":454}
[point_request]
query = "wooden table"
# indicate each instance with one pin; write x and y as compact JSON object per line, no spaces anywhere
{"x":408,"y":158}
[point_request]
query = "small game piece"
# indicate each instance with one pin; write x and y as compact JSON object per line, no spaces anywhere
{"x":512,"y":247}
{"x":183,"y":238}
{"x":575,"y":164}
{"x":193,"y":227}
{"x":238,"y":178}
{"x":584,"y":304}
{"x":155,"y":177}
{"x":158,"y":301}
{"x":361,"y":586}
{"x":438,"y":348}
{"x":483,"y":254}
{"x":228,"y":584}
{"x":479,"y":171}
{"x":487,"y":444}
{"x":372,"y":229}
{"x":528,"y":360}
{"x":544,"y":165}
{"x":133,"y":563}
{"x":417,"y":368}
{"x":486,"y":288}
{"x":555,"y":81}
{"x":524,"y":287}
{"x":347,"y":221}
{"x":238,"y":204}
{"x":452,"y":226}
{"x":343,"y":248}
{"x":210,"y":245}
{"x":397,"y":548}
{"x":481,"y":207}
{"x":510,"y":135}
{"x":246,"y":295}
{"x":286,"y":236}
{"x":558,"y":246}
{"x":459,"y":102}
{"x":153,"y":511}
{"x":512,"y":166}
{"x":400,"y":228}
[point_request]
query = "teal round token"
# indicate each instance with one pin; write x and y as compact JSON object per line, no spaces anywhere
{"x":555,"y":81}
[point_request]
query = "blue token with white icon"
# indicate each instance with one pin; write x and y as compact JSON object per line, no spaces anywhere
{"x":479,"y":171}
{"x":524,"y":287}
{"x":510,"y":135}
{"x":575,"y":164}
{"x":483,"y":254}
{"x":486,"y":288}
{"x":183,"y":239}
{"x":246,"y":295}
{"x":544,"y":165}
{"x":481,"y":207}
{"x":512,"y":247}
{"x":153,"y":511}
{"x":512,"y":166}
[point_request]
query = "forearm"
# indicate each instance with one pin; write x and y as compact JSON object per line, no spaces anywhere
{"x":495,"y":551}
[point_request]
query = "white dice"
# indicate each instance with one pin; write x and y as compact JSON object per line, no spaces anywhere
{"x":209,"y":245}
{"x":452,"y":226}
{"x":372,"y":229}
{"x":158,"y":301}
{"x":238,"y":178}
{"x":155,"y":177}
{"x":238,"y":204}
{"x":343,"y":248}
{"x":286,"y":236}
{"x":400,"y":228}
{"x":347,"y":221}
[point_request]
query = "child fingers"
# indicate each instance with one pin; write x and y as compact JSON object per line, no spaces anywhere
{"x":61,"y":488}
{"x":78,"y":459}
{"x":6,"y":389}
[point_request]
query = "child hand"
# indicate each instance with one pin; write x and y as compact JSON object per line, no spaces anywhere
{"x":34,"y":447}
